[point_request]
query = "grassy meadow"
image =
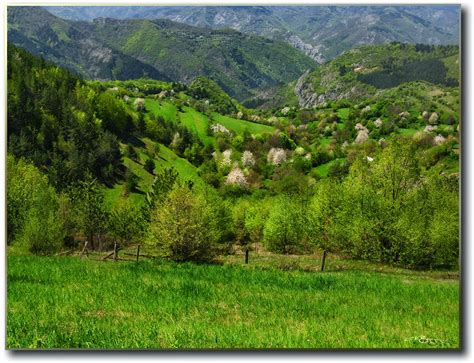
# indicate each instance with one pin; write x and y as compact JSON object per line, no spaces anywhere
{"x":273,"y":302}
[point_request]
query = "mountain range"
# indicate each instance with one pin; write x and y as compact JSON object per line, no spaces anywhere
{"x":321,"y":32}
{"x":106,"y":48}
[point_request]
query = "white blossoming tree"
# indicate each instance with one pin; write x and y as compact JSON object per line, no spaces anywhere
{"x":226,"y":158}
{"x":248,"y":160}
{"x":276,"y":156}
{"x":236,"y":177}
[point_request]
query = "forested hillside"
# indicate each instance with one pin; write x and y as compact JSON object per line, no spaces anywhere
{"x":293,"y":179}
{"x":321,"y":32}
{"x":159,"y":49}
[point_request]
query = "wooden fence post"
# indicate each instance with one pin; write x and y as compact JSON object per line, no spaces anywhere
{"x":323,"y":260}
{"x":138,"y":252}
{"x":247,"y":256}
{"x":85,"y":249}
{"x":115,"y":251}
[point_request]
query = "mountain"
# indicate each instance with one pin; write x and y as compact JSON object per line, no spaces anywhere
{"x":368,"y":70}
{"x":107,"y":48}
{"x":322,"y":32}
{"x":61,"y":42}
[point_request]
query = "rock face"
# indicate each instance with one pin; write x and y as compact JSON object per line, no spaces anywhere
{"x":335,"y":90}
{"x":313,"y":51}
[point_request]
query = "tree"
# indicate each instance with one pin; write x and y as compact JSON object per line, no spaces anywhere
{"x":89,"y":208}
{"x":126,"y":223}
{"x":162,"y":185}
{"x":149,"y":166}
{"x":184,"y":227}
{"x":284,"y":229}
{"x":131,"y":182}
{"x":34,"y":223}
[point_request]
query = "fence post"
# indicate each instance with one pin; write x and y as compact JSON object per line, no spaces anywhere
{"x":115,"y":251}
{"x":247,"y":256}
{"x":84,"y":248}
{"x":323,"y":260}
{"x":138,"y":252}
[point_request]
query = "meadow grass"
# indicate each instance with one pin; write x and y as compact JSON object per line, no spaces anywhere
{"x":165,"y":109}
{"x":197,"y":123}
{"x":165,"y":158}
{"x":323,"y":169}
{"x":68,"y":302}
{"x":239,"y":126}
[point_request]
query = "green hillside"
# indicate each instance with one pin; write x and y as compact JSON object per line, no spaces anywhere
{"x":125,"y":49}
{"x":366,"y":71}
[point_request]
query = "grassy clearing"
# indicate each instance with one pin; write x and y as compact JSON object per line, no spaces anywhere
{"x":197,"y":123}
{"x":407,"y":132}
{"x":66,"y":302}
{"x":239,"y":126}
{"x":323,"y":169}
{"x":165,"y":109}
{"x":166,"y":158}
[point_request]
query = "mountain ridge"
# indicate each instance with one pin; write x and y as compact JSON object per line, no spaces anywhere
{"x":240,"y":63}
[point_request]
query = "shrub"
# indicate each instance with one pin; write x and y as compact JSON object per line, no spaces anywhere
{"x":284,"y":229}
{"x":34,"y":222}
{"x":184,"y":227}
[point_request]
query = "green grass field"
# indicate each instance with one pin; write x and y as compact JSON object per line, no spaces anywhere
{"x":165,"y":109}
{"x":166,"y":158}
{"x":323,"y":169}
{"x":239,"y":126}
{"x":68,"y":302}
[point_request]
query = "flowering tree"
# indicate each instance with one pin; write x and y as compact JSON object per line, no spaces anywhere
{"x":276,"y":156}
{"x":236,"y":177}
{"x":248,"y":159}
{"x":226,"y":158}
{"x":139,"y":104}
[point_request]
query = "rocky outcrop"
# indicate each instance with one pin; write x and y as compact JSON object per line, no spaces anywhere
{"x":313,"y":51}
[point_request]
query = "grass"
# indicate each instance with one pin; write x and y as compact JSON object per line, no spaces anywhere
{"x":197,"y":123}
{"x":239,"y":126}
{"x":166,"y":158}
{"x":407,"y":132}
{"x":66,"y":302}
{"x":323,"y":169}
{"x":165,"y":109}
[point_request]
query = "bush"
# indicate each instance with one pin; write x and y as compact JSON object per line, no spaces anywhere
{"x":284,"y":230}
{"x":184,"y":227}
{"x":42,"y":233}
{"x":386,"y":211}
{"x":34,"y":221}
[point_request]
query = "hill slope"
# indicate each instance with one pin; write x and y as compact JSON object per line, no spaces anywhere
{"x":368,"y":70}
{"x":62,"y":42}
{"x":322,"y":32}
{"x":241,"y":64}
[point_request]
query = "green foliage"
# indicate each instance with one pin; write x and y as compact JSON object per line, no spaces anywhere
{"x":285,"y":230}
{"x":34,"y":222}
{"x":149,"y":166}
{"x":184,"y":227}
{"x":386,"y":211}
{"x":162,"y":185}
{"x":52,"y":122}
{"x":113,"y":114}
{"x":203,"y":88}
{"x":89,"y":208}
{"x":126,"y":223}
